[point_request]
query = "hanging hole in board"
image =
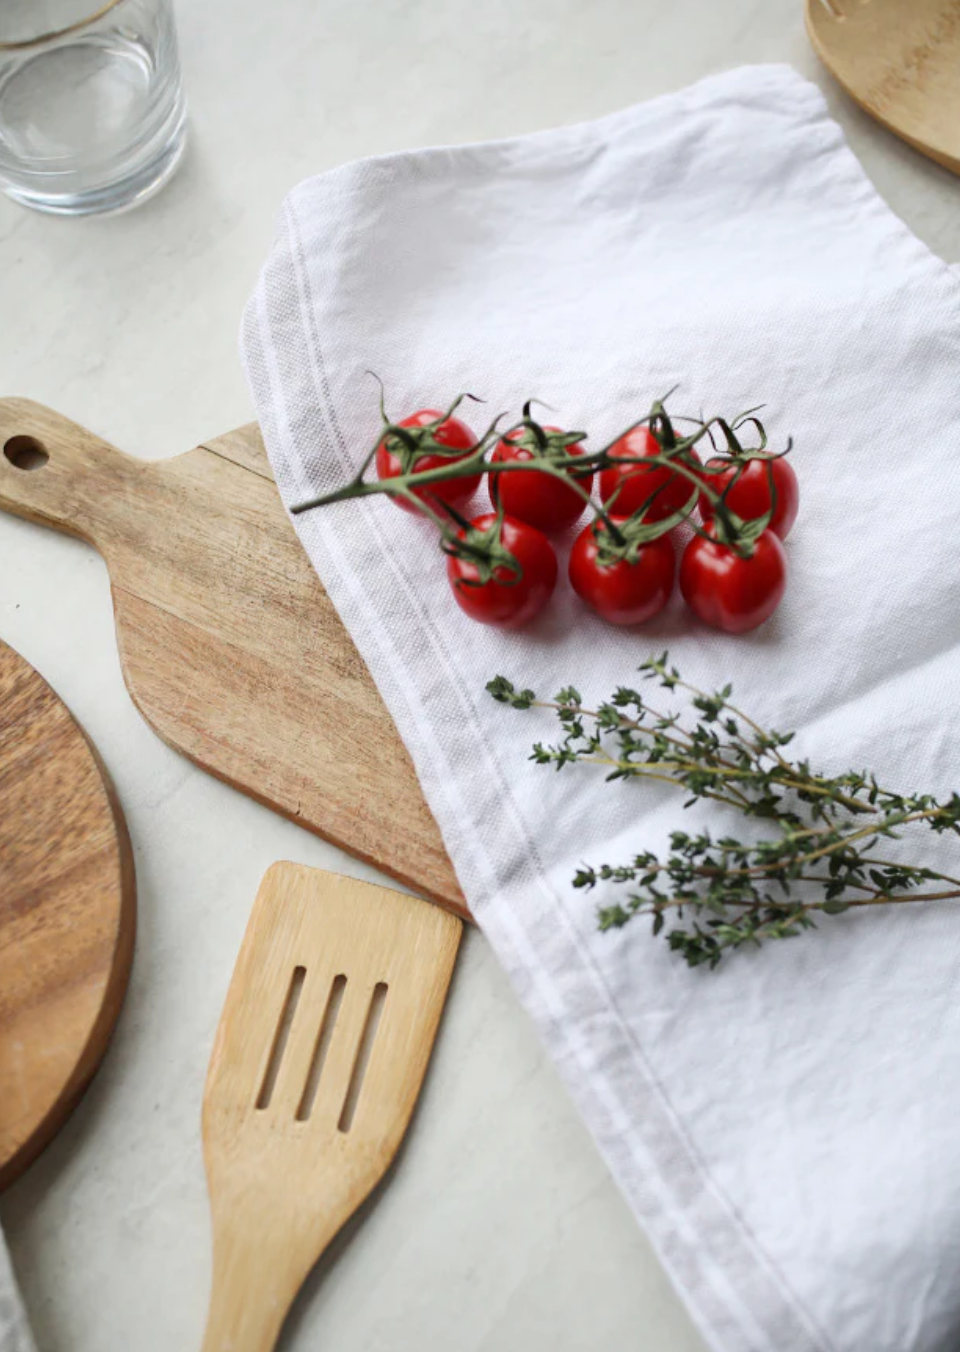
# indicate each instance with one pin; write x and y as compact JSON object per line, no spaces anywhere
{"x":363,"y":1056}
{"x":25,"y":453}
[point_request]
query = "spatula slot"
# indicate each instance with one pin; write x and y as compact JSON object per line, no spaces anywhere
{"x":281,"y":1037}
{"x":364,"y":1051}
{"x":324,"y":1038}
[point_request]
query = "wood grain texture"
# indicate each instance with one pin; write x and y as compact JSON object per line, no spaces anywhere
{"x":67,"y":912}
{"x":900,"y":60}
{"x":286,"y":1168}
{"x":230,"y":647}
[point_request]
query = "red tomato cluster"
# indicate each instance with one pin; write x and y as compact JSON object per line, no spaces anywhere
{"x":732,"y":591}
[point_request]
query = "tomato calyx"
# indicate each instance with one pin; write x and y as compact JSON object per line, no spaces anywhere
{"x":483,"y":547}
{"x":543,"y":442}
{"x":635,"y":529}
{"x":621,"y":539}
{"x":733,"y":531}
{"x":412,"y":444}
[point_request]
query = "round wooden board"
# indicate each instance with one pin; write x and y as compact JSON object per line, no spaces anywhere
{"x":67,"y":912}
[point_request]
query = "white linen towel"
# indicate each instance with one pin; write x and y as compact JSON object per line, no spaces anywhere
{"x":786,"y":1127}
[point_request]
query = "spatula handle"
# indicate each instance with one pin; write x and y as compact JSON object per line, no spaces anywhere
{"x":248,"y":1303}
{"x":260,"y":1262}
{"x":57,"y":473}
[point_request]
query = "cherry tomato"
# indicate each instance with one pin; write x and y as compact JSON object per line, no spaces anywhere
{"x":750,"y":495}
{"x":451,"y":432}
{"x":504,"y":601}
{"x":636,"y":485}
{"x":540,"y":499}
{"x":729,"y":592}
{"x":623,"y":593}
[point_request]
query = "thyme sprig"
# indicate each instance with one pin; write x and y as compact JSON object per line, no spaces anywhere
{"x":563,"y":455}
{"x":713,"y":894}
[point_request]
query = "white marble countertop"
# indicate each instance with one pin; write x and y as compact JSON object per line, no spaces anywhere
{"x":500,"y":1229}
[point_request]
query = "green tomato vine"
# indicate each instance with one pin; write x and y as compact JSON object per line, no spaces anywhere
{"x":550,"y":453}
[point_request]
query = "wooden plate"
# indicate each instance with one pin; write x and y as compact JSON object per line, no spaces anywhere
{"x":67,"y":912}
{"x":899,"y":59}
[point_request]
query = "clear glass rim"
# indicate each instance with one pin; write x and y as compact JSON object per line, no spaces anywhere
{"x":23,"y":43}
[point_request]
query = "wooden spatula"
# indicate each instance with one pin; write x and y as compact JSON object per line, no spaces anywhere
{"x":900,"y":60}
{"x":321,"y":1050}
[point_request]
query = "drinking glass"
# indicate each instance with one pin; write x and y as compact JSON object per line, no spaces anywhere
{"x":92,"y":114}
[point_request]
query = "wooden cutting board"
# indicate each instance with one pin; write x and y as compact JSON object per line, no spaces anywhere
{"x":67,"y":908}
{"x":230,"y":647}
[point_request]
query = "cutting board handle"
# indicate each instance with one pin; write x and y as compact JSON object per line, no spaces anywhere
{"x":57,"y":473}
